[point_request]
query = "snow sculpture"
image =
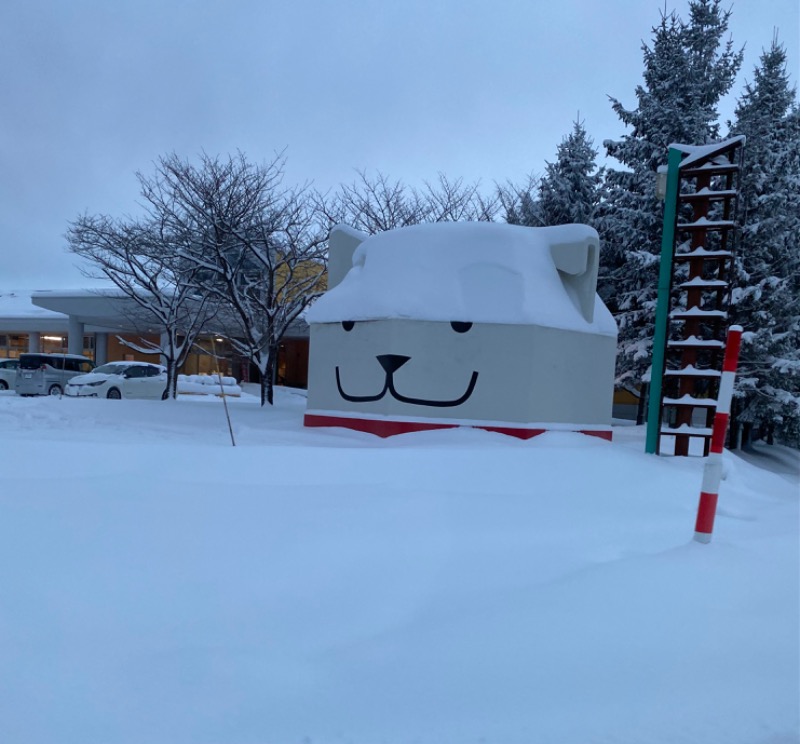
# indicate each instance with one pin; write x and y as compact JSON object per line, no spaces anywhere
{"x":462,"y":324}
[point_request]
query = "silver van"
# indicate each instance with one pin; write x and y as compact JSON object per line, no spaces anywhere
{"x":47,"y":374}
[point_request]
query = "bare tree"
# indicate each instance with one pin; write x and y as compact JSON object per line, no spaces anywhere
{"x":254,"y":245}
{"x":138,"y":257}
{"x":455,"y":201}
{"x":519,"y":203}
{"x":372,"y":204}
{"x":375,"y":204}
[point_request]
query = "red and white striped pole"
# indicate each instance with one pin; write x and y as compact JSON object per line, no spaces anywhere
{"x":712,"y":473}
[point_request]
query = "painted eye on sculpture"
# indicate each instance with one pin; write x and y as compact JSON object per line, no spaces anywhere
{"x":460,"y":326}
{"x":348,"y":325}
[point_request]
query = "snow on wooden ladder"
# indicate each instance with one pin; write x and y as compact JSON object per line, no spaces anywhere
{"x":704,"y":239}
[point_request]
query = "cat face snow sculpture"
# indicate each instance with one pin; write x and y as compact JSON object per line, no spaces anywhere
{"x":479,"y":324}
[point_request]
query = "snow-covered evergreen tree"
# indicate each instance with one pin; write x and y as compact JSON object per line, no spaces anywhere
{"x":766,"y":300}
{"x":571,"y":187}
{"x":569,"y":191}
{"x":688,"y":69}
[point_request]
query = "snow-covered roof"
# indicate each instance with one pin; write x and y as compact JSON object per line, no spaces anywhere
{"x":79,"y":293}
{"x":474,"y":272}
{"x":105,"y":308}
{"x":17,"y":304}
{"x":19,"y":315}
{"x":701,"y":152}
{"x":29,"y":311}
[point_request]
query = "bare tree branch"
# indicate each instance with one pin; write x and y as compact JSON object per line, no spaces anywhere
{"x":138,"y":257}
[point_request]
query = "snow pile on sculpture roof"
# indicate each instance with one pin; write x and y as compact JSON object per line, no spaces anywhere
{"x":474,"y":272}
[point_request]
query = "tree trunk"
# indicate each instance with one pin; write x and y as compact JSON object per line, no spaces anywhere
{"x":641,"y":409}
{"x":733,"y":427}
{"x":272,"y":364}
{"x":172,"y":378}
{"x":747,"y":431}
{"x":733,"y":435}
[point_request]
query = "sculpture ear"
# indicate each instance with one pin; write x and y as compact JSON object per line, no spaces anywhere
{"x":577,"y":264}
{"x":342,"y":243}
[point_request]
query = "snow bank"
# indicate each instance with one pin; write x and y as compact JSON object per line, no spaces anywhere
{"x":208,"y":385}
{"x":326,"y":586}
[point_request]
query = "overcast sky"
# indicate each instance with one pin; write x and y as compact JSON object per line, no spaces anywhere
{"x":94,"y":90}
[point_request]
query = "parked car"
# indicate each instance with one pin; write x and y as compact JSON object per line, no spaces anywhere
{"x":121,"y":380}
{"x":8,"y":371}
{"x":47,"y":374}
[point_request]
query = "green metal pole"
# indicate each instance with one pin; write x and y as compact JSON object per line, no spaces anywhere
{"x":662,"y":307}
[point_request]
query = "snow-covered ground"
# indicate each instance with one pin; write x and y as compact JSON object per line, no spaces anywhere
{"x":159,"y":586}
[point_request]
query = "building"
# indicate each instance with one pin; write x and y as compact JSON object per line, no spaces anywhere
{"x":96,"y":323}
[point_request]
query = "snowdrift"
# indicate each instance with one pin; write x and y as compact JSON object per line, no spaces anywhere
{"x":327,"y":586}
{"x":208,"y":385}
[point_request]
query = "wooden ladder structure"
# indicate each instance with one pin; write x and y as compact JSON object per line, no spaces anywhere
{"x":703,"y":251}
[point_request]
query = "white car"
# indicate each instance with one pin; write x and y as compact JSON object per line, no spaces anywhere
{"x":8,"y":372}
{"x":121,"y":380}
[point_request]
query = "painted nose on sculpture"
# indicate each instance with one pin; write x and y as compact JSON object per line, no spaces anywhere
{"x":392,"y":362}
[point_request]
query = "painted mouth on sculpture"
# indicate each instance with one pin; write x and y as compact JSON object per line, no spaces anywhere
{"x":391,"y":363}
